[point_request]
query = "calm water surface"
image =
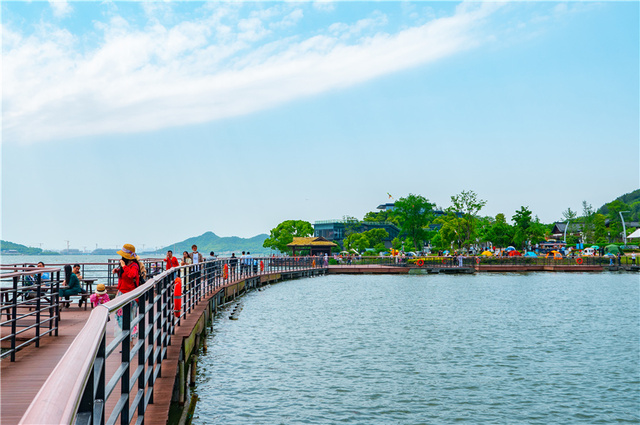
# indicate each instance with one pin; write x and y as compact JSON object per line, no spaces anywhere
{"x":536,"y":348}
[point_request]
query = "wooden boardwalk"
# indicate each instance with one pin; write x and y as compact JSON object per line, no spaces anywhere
{"x":21,"y":380}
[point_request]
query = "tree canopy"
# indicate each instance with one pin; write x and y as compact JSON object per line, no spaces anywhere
{"x":284,"y":233}
{"x":414,"y":214}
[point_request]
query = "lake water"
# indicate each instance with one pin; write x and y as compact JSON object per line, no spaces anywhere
{"x":537,"y":348}
{"x":93,"y":266}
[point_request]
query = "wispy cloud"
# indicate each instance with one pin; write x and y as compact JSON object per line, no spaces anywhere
{"x":204,"y":69}
{"x":61,"y":8}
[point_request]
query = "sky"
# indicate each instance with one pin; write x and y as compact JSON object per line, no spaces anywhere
{"x":152,"y":122}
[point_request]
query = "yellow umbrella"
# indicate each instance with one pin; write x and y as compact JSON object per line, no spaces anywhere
{"x":487,"y":254}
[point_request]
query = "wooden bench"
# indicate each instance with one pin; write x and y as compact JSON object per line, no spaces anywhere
{"x":84,"y":297}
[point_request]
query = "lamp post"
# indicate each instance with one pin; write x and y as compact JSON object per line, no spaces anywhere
{"x":565,"y":231}
{"x":624,"y":228}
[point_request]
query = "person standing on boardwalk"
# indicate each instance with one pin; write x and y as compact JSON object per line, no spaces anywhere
{"x":243,"y":263}
{"x":128,"y":280}
{"x":633,"y":259}
{"x":233,"y":262}
{"x":171,"y":260}
{"x":196,"y":258}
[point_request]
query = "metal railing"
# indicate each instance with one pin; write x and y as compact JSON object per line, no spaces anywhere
{"x":30,"y":306}
{"x":78,"y":389}
{"x":100,"y":272}
{"x":472,"y":261}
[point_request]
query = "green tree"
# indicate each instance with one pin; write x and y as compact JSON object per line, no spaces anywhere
{"x":635,"y":211}
{"x":451,"y":230}
{"x":588,"y":228}
{"x":414,"y":214}
{"x":376,"y":236}
{"x":284,"y":233}
{"x":615,"y":224}
{"x":351,"y":225}
{"x":599,"y":228}
{"x":467,"y":203}
{"x":523,"y":230}
{"x":500,"y":233}
{"x":568,"y":214}
{"x":357,"y":241}
{"x":537,"y":231}
{"x":381,"y":216}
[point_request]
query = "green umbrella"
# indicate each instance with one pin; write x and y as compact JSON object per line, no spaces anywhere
{"x":614,"y":249}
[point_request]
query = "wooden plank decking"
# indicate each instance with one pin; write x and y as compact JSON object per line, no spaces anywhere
{"x":21,"y":380}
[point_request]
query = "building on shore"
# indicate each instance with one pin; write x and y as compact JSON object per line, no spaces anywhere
{"x":311,"y":246}
{"x":336,"y":230}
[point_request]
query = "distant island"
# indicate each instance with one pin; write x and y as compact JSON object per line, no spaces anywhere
{"x":206,"y":242}
{"x":11,"y":248}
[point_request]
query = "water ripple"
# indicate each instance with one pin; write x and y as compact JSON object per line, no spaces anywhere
{"x":535,"y":348}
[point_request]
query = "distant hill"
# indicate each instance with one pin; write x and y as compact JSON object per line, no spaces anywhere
{"x":209,"y":241}
{"x":627,"y":198}
{"x":16,"y":248}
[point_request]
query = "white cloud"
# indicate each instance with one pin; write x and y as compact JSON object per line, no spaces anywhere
{"x":141,"y":80}
{"x":324,"y":5}
{"x":61,"y":8}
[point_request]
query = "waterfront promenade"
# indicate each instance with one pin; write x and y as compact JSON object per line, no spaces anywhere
{"x":50,"y":382}
{"x":20,"y":381}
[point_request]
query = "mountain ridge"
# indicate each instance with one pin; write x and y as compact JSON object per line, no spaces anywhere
{"x":209,"y":241}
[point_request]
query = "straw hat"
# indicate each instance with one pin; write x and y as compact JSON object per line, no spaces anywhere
{"x":101,"y":289}
{"x":128,"y":251}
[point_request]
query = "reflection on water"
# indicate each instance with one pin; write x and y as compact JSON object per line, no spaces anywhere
{"x":487,"y":348}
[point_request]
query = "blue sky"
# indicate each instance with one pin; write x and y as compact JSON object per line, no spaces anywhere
{"x":151,"y":122}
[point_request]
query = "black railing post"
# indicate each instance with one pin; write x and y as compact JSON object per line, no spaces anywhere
{"x":126,"y":360}
{"x":54,"y":301}
{"x":142,"y":352}
{"x":38,"y":295}
{"x":99,"y":368}
{"x":14,"y":315}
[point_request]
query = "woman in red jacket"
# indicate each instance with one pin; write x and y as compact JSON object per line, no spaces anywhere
{"x":128,"y":280}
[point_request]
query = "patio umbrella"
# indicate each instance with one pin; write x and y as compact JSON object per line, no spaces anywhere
{"x":487,"y":254}
{"x":613,"y":249}
{"x":595,"y":247}
{"x":634,"y":235}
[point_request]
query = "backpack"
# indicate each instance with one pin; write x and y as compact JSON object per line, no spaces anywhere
{"x":142,"y":273}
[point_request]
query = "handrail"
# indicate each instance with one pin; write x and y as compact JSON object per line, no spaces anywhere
{"x":77,"y":389}
{"x":56,"y":401}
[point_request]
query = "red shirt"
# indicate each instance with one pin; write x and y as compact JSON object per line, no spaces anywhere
{"x":128,"y":278}
{"x":173,"y":262}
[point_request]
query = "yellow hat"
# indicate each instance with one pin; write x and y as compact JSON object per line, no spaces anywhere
{"x":101,"y":289}
{"x":128,"y":251}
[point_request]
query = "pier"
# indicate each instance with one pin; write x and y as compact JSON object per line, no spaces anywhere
{"x":89,"y":374}
{"x":75,"y":369}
